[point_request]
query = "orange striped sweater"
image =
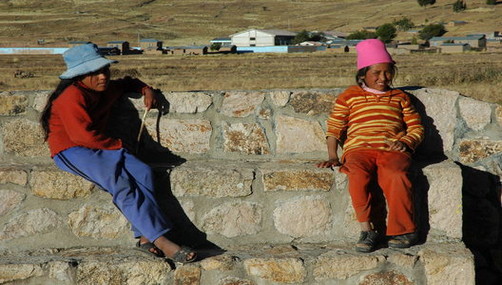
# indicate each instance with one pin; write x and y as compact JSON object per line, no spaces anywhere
{"x":360,"y":119}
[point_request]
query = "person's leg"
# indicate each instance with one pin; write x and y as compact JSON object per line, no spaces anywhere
{"x":131,"y":189}
{"x":396,"y":186}
{"x":359,"y":167}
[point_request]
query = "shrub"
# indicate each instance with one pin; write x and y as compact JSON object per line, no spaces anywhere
{"x":362,"y":35}
{"x":386,"y":32}
{"x":432,"y":30}
{"x":403,"y":24}
{"x":459,"y":6}
{"x":426,"y":2}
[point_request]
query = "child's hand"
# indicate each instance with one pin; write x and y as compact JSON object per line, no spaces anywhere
{"x":149,"y":98}
{"x":329,"y":163}
{"x":396,"y":146}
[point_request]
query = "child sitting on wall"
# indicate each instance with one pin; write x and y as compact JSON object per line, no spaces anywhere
{"x":378,"y":128}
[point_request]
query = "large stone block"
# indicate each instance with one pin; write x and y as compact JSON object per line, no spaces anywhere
{"x":448,"y":264}
{"x":388,"y":278}
{"x":189,"y":275}
{"x":303,"y":217}
{"x":23,"y":137}
{"x":445,"y":198}
{"x":10,"y":201}
{"x":280,"y":98}
{"x":29,"y":223}
{"x":342,"y":265}
{"x":241,"y":104}
{"x":55,"y":184}
{"x":12,"y":103}
{"x":234,"y":219}
{"x":294,"y":179}
{"x":13,"y":175}
{"x":98,"y":222}
{"x":473,"y":150}
{"x":129,"y":272}
{"x":476,"y":114}
{"x":299,"y":136}
{"x":18,"y":272}
{"x":40,"y":100}
{"x":312,"y":102}
{"x":441,"y":111}
{"x":281,"y":270}
{"x":214,"y":181}
{"x":188,"y":102}
{"x":188,"y":136}
{"x":245,"y":138}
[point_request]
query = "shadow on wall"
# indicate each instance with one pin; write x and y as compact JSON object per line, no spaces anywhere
{"x":482,"y":222}
{"x":125,"y":124}
{"x":481,"y":200}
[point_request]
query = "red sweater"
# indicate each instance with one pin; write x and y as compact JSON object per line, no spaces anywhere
{"x":365,"y":120}
{"x":79,"y":116}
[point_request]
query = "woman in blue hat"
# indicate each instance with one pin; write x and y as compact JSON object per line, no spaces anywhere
{"x":74,"y":122}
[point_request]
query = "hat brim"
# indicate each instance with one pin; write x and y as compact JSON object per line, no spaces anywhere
{"x":86,"y":68}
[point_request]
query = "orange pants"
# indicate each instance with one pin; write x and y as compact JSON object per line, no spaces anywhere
{"x":390,"y":169}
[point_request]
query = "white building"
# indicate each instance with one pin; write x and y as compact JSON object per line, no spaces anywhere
{"x":261,"y":38}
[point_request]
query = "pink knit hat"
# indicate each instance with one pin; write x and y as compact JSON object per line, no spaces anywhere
{"x":371,"y":52}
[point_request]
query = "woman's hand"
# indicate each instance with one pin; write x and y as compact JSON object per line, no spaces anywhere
{"x":329,"y":163}
{"x":149,"y":98}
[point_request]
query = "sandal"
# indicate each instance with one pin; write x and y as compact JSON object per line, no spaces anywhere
{"x":182,"y":255}
{"x":147,"y":247}
{"x":367,"y":241}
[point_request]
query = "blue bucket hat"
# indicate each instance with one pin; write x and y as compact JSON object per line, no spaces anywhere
{"x":83,"y":59}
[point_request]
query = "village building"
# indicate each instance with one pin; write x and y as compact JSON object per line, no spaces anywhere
{"x":262,"y":38}
{"x":123,"y":46}
{"x":150,"y":45}
{"x":477,"y":41}
{"x":187,"y":50}
{"x":454,"y":47}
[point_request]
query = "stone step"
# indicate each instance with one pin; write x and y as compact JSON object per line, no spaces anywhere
{"x":321,"y":264}
{"x":214,"y":201}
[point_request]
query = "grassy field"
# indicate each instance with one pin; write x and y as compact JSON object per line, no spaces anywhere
{"x":477,"y":75}
{"x":23,"y":22}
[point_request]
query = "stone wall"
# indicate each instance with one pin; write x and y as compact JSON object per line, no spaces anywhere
{"x":250,"y":167}
{"x":246,"y":173}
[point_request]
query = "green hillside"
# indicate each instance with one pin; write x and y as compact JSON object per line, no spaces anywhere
{"x":23,"y":22}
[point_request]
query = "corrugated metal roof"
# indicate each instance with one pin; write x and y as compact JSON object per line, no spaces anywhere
{"x":473,"y":37}
{"x":149,"y":40}
{"x":270,"y":32}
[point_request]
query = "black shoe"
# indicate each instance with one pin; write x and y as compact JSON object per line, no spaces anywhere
{"x":403,"y":241}
{"x":367,"y":241}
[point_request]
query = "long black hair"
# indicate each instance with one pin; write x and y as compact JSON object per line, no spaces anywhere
{"x":46,"y":113}
{"x":361,"y":73}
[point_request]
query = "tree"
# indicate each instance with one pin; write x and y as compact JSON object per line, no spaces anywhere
{"x":304,"y":36}
{"x":424,"y":3}
{"x":403,"y":24}
{"x":491,"y":2}
{"x":361,"y":35}
{"x":301,"y":37}
{"x":459,"y":6}
{"x":215,"y":46}
{"x":386,"y":32}
{"x":432,"y":30}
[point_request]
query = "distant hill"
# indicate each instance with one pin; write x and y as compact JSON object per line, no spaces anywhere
{"x":23,"y":22}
